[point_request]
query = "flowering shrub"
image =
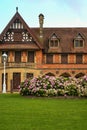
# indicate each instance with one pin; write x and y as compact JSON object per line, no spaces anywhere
{"x":54,"y":86}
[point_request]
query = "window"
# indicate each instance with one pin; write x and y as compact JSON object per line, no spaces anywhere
{"x":31,"y":56}
{"x":79,"y":58}
{"x":64,"y":58}
{"x":16,"y":80}
{"x":79,"y":41}
{"x":49,"y":58}
{"x":18,"y":56}
{"x":53,"y":41}
{"x":29,"y":75}
{"x":17,"y":25}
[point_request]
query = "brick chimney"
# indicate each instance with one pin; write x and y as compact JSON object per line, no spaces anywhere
{"x":41,"y":21}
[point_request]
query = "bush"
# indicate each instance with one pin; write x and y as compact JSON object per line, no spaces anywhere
{"x":71,"y":90}
{"x":54,"y":86}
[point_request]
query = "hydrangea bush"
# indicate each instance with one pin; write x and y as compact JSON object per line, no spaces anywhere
{"x":54,"y":86}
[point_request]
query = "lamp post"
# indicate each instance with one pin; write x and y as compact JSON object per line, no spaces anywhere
{"x":4,"y":56}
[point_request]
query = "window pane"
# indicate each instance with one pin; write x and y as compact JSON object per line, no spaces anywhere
{"x":51,"y":43}
{"x":56,"y":43}
{"x":76,"y":43}
{"x":81,"y":43}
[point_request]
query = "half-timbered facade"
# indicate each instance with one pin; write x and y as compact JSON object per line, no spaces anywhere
{"x":41,"y":51}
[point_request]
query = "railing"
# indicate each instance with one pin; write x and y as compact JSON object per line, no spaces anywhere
{"x":35,"y":65}
{"x":12,"y":65}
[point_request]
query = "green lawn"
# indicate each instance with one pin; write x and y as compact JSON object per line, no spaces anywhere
{"x":21,"y":113}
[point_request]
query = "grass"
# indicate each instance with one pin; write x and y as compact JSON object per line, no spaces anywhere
{"x":21,"y":113}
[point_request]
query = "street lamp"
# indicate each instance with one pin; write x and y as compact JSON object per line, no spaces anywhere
{"x":4,"y":56}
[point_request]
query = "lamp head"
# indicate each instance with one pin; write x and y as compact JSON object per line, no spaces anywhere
{"x":4,"y":56}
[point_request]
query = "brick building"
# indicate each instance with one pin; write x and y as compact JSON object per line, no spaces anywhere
{"x":41,"y":51}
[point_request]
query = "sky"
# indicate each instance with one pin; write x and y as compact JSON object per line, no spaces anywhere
{"x":57,"y":13}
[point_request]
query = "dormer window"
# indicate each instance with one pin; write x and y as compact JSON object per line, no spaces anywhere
{"x":53,"y":41}
{"x":79,"y":41}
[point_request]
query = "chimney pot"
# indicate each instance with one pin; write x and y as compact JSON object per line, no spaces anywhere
{"x":41,"y":21}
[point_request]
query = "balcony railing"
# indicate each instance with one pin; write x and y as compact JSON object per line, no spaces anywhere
{"x":12,"y":65}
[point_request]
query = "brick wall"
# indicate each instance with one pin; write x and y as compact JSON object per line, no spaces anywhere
{"x":71,"y":58}
{"x":57,"y":58}
{"x":85,"y":58}
{"x":24,"y":56}
{"x":39,"y":57}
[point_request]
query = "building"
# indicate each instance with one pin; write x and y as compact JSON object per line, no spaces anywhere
{"x":41,"y":51}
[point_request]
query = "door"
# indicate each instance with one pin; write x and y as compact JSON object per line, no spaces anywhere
{"x":16,"y":80}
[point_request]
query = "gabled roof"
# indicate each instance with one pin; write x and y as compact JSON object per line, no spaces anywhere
{"x":54,"y":35}
{"x":65,"y":35}
{"x":79,"y":36}
{"x":18,"y":16}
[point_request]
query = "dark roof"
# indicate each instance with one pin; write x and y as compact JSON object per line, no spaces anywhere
{"x":18,"y":46}
{"x":17,"y":15}
{"x":66,"y":36}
